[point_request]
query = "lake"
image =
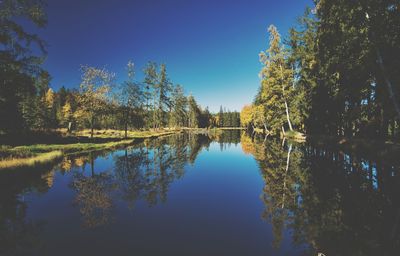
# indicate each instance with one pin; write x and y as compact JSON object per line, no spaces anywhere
{"x":204,"y":194}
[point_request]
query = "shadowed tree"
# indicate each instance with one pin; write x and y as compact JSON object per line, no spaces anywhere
{"x":19,"y":65}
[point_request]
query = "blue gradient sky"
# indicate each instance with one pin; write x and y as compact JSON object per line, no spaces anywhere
{"x":210,"y":47}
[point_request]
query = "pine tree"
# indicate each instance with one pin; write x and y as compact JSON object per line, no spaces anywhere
{"x":163,"y":90}
{"x":130,"y":99}
{"x":277,"y":80}
{"x":178,"y":115}
{"x":194,"y":113}
{"x":302,"y":43}
{"x":221,"y":117}
{"x":21,"y":56}
{"x":150,"y":94}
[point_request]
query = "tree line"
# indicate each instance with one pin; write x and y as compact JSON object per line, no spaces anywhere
{"x":27,"y":103}
{"x":335,"y":74}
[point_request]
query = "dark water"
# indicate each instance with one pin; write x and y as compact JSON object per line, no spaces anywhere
{"x":225,"y":194}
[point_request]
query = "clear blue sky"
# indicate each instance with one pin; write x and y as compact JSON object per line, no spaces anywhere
{"x":210,"y":47}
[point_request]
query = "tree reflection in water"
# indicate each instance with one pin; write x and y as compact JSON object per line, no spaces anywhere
{"x":142,"y":172}
{"x":338,"y":204}
{"x":93,"y":195}
{"x":330,"y":201}
{"x":19,"y":236}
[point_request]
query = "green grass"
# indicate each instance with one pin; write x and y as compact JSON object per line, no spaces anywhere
{"x":30,"y":161}
{"x":112,"y":134}
{"x":29,"y":155}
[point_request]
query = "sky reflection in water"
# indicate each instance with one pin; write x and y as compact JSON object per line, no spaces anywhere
{"x":220,"y":194}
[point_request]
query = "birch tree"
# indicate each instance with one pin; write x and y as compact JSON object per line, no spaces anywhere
{"x":94,"y":90}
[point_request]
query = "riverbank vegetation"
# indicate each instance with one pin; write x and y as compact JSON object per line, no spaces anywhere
{"x":28,"y":105}
{"x":31,"y":155}
{"x":336,"y":74}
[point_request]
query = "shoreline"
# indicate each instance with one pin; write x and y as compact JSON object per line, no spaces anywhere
{"x":79,"y":142}
{"x":31,"y":155}
{"x":35,"y":154}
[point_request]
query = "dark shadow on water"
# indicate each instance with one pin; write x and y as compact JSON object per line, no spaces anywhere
{"x":337,"y":203}
{"x":19,"y":236}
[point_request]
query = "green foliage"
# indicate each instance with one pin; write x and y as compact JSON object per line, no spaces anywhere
{"x":276,"y":86}
{"x":93,"y":97}
{"x":19,"y":66}
{"x":228,"y":118}
{"x":179,"y":102}
{"x":338,"y":74}
{"x":194,"y":113}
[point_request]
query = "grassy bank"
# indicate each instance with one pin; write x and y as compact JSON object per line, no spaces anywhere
{"x":31,"y":161}
{"x":29,"y":155}
{"x":118,"y":134}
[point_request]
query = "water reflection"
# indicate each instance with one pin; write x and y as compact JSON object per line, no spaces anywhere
{"x":336,"y":203}
{"x":141,"y":172}
{"x":93,"y":194}
{"x":17,"y":234}
{"x":329,"y":201}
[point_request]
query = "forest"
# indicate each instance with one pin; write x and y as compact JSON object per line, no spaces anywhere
{"x":133,"y":161}
{"x":335,"y":74}
{"x":29,"y":105}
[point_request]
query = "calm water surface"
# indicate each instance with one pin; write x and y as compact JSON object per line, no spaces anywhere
{"x":225,"y":194}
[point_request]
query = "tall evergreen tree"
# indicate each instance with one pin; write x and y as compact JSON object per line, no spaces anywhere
{"x":151,"y":81}
{"x":302,"y":59}
{"x":19,"y":66}
{"x":277,"y":80}
{"x":178,"y":115}
{"x":163,"y":90}
{"x":194,"y":113}
{"x":131,"y":99}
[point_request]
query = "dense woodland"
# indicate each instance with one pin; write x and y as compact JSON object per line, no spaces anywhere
{"x":27,"y":103}
{"x":335,"y":74}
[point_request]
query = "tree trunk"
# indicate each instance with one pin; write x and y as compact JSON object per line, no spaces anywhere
{"x":266,"y":129}
{"x":254,"y":130}
{"x":91,"y":127}
{"x":126,"y":129}
{"x":92,"y":164}
{"x":284,"y":98}
{"x":126,"y":122}
{"x":154,"y":113}
{"x":287,"y":116}
{"x":384,"y":74}
{"x":388,"y":83}
{"x":286,"y":171}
